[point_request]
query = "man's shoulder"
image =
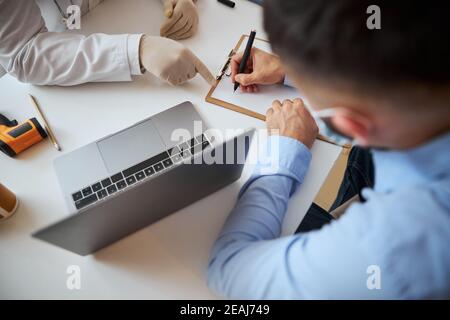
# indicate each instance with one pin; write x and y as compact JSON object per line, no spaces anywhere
{"x":407,"y":233}
{"x":427,"y":200}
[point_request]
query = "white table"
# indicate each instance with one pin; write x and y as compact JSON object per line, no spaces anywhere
{"x":168,"y":259}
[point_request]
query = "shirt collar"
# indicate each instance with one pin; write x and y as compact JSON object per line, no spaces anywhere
{"x":395,"y":169}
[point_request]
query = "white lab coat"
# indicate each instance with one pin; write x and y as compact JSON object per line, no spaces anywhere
{"x":32,"y":54}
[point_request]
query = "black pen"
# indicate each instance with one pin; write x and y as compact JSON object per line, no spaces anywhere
{"x":228,"y":3}
{"x":246,"y":55}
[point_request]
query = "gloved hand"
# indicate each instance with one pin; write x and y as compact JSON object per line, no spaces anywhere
{"x":182,"y":19}
{"x":171,"y":61}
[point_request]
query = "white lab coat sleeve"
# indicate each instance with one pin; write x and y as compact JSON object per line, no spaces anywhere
{"x":31,"y":54}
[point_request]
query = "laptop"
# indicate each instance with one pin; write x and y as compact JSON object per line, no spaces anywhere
{"x":139,"y":175}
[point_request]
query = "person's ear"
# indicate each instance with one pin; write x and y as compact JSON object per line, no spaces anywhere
{"x":354,"y":125}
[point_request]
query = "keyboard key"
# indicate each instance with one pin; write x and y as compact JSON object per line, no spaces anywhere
{"x":158,"y":167}
{"x":201,"y":138}
{"x":192,"y":142}
{"x":205,"y":144}
{"x":102,"y":193}
{"x":111,"y":189}
{"x":173,"y":151}
{"x":196,"y":149}
{"x":96,"y":186}
{"x":200,"y":147}
{"x":131,"y":180}
{"x":121,"y":184}
{"x":106,"y":182}
{"x":183,"y":146}
{"x":176,"y":158}
{"x":140,"y":175}
{"x":167,"y":163}
{"x":186,"y":154}
{"x":86,"y":201}
{"x":145,"y":164}
{"x":87,"y":191}
{"x":117,"y":177}
{"x":77,"y":196}
{"x":149,"y":171}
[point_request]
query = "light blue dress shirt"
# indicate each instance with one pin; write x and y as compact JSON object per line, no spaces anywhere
{"x":396,"y":245}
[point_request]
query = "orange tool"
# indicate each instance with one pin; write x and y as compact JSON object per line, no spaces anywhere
{"x":15,"y":138}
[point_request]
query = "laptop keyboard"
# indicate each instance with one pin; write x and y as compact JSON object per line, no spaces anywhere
{"x":139,"y":172}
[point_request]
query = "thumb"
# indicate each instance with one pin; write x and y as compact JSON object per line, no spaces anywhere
{"x":246,"y":79}
{"x":168,"y":8}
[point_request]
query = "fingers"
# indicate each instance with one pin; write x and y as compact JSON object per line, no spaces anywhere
{"x":288,"y":105}
{"x":185,"y":73}
{"x":275,"y":107}
{"x":202,"y":69}
{"x":247,"y":79}
{"x":170,"y":22}
{"x":302,"y":110}
{"x":168,"y":8}
{"x":300,"y":107}
{"x":235,"y":62}
{"x":182,"y":26}
{"x":183,"y":21}
{"x":250,"y":89}
{"x":188,"y":30}
{"x":271,"y":115}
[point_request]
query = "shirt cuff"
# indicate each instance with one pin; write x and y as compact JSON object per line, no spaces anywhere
{"x":133,"y":42}
{"x":286,"y":156}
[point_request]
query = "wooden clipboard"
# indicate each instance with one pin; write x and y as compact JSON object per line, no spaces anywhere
{"x":209,"y":98}
{"x":242,"y":109}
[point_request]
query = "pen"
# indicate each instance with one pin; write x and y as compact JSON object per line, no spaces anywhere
{"x":246,"y":55}
{"x":46,"y":125}
{"x":228,"y":3}
{"x":260,"y":2}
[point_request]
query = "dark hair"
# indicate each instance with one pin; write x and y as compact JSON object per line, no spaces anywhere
{"x":329,"y":39}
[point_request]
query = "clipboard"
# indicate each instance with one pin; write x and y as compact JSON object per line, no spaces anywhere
{"x":224,"y":72}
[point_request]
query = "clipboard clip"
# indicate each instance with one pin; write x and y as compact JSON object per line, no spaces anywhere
{"x":224,"y":69}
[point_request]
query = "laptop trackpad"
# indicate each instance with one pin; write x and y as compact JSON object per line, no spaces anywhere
{"x":130,"y":146}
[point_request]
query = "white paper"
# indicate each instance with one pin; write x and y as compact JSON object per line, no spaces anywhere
{"x":324,"y":155}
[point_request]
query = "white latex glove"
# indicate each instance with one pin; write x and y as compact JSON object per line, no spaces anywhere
{"x":181,"y":19}
{"x":171,"y":61}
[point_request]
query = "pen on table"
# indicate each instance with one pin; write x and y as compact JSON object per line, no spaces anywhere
{"x":246,"y":55}
{"x":46,"y":125}
{"x":228,"y":3}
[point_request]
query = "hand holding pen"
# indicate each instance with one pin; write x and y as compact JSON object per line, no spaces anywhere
{"x":262,"y":68}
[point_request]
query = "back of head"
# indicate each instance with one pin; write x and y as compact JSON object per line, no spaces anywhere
{"x":331,"y":41}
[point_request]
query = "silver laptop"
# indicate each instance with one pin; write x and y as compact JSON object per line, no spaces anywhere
{"x":137,"y":176}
